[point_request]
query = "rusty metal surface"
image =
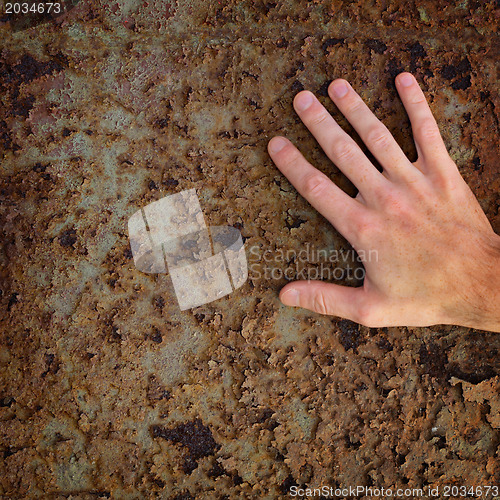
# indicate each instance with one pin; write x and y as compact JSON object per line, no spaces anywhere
{"x":108,"y":389}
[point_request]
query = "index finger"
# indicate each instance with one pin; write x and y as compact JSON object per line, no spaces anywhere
{"x":323,"y":194}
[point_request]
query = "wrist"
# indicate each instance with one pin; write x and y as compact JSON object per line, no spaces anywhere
{"x":479,"y":305}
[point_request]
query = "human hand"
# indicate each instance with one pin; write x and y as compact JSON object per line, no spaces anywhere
{"x":438,"y":256}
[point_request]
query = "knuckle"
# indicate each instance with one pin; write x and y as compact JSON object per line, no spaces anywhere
{"x":365,"y":315}
{"x":418,"y":99}
{"x":364,"y":227}
{"x":353,"y":106}
{"x":423,"y":191}
{"x":446,"y":183}
{"x":395,"y":204}
{"x":390,"y":198}
{"x":293,"y":160}
{"x":343,"y":150}
{"x":378,"y":137}
{"x":428,"y":129}
{"x":319,"y":303}
{"x":319,"y":118}
{"x":315,"y":185}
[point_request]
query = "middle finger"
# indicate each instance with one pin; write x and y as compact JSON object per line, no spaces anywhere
{"x":337,"y":144}
{"x":372,"y":131}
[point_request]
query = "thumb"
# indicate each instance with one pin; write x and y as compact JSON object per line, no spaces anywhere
{"x":326,"y":298}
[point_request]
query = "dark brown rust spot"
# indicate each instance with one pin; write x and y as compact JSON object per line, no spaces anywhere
{"x":377,"y":46}
{"x":434,"y":360}
{"x":68,"y":238}
{"x":331,"y":42}
{"x":349,"y":337}
{"x":194,"y":436}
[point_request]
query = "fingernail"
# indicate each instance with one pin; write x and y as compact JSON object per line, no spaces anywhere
{"x":290,"y":297}
{"x":340,"y":89}
{"x":303,"y":101}
{"x":405,"y":80}
{"x":276,"y":145}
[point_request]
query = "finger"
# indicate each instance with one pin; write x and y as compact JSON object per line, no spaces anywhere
{"x":325,"y":298}
{"x":372,"y":131}
{"x":337,"y":144}
{"x":428,"y":140}
{"x":325,"y":196}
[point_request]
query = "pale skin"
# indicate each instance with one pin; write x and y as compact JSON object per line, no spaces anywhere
{"x":438,"y":258}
